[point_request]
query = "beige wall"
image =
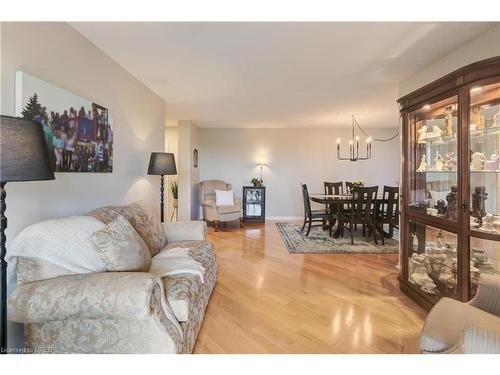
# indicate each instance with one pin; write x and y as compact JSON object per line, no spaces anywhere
{"x":482,"y":47}
{"x":292,"y":156}
{"x":56,"y":53}
{"x":188,"y":176}
{"x":171,"y":145}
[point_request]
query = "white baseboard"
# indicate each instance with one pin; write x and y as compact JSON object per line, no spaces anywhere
{"x":284,"y":218}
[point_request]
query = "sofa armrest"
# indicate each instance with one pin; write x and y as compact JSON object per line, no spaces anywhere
{"x":106,"y":295}
{"x":185,"y":231}
{"x":487,"y":295}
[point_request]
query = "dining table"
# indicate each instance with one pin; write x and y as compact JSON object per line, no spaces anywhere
{"x":339,"y":200}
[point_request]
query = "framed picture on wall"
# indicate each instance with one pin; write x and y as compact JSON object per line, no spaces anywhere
{"x":78,"y":132}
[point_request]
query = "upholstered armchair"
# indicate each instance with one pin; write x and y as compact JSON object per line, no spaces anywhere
{"x":473,"y":327}
{"x":218,"y":214}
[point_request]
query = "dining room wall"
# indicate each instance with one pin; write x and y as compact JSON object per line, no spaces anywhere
{"x":293,"y":156}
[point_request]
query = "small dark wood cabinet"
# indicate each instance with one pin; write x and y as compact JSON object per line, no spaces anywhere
{"x":450,"y":219}
{"x":254,"y":204}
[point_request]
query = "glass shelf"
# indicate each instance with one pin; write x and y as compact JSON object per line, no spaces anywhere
{"x":433,"y":176}
{"x":484,"y":151}
{"x":432,"y":260}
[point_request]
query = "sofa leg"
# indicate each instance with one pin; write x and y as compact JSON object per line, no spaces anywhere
{"x":216,"y":225}
{"x":242,"y":225}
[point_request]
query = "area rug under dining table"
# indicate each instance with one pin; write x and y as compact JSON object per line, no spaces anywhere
{"x":319,"y":241}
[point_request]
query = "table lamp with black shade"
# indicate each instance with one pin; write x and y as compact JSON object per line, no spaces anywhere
{"x":162,"y":164}
{"x":23,"y":157}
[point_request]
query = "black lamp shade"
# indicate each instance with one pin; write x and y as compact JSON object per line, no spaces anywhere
{"x":162,"y":163}
{"x":23,"y":151}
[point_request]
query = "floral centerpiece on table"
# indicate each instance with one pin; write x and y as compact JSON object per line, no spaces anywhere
{"x":257,"y":182}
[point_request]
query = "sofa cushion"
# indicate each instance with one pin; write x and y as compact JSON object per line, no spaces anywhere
{"x":448,"y":319}
{"x":148,"y":228}
{"x":121,"y":248}
{"x":54,"y":248}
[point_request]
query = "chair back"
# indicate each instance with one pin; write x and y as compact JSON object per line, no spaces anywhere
{"x":333,"y":188}
{"x":307,"y":202}
{"x":389,"y":209}
{"x":348,"y":187}
{"x":363,"y":203}
{"x":207,"y":189}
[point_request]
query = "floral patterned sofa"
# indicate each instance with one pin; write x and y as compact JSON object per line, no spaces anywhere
{"x":117,"y":312}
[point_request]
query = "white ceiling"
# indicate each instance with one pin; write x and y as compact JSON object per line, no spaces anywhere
{"x":278,"y":74}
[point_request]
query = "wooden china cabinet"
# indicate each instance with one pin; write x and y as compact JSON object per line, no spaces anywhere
{"x":450,"y":220}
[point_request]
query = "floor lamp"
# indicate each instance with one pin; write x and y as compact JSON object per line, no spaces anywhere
{"x":162,"y":164}
{"x":23,"y":157}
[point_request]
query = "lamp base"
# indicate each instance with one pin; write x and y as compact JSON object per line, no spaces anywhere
{"x":3,"y":272}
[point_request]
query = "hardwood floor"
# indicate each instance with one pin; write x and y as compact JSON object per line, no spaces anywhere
{"x":269,"y":301}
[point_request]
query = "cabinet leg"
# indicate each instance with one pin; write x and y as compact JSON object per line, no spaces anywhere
{"x":216,"y":225}
{"x":242,"y":225}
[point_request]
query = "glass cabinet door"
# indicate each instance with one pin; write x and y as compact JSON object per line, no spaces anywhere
{"x":253,"y":202}
{"x":484,"y":151}
{"x":484,"y":258}
{"x":433,"y":186}
{"x":432,"y":260}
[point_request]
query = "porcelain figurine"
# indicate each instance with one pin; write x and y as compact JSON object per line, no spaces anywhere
{"x":488,"y":224}
{"x":441,"y":207}
{"x":436,"y":134}
{"x":496,"y":120}
{"x":493,"y":163}
{"x":423,"y":165}
{"x":478,"y":203}
{"x":451,"y":199}
{"x":414,"y":243}
{"x":477,"y":161}
{"x":479,"y":255}
{"x":448,"y":120}
{"x":450,"y":161}
{"x":438,"y":162}
{"x":422,"y":134}
{"x":419,"y":275}
{"x":477,"y":117}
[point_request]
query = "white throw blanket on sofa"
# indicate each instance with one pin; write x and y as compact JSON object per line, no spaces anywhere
{"x":174,"y":262}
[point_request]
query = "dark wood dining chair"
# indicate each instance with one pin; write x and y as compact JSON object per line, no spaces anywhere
{"x":362,"y":210}
{"x":388,"y":211}
{"x":333,"y":188}
{"x":311,"y":216}
{"x":348,"y":187}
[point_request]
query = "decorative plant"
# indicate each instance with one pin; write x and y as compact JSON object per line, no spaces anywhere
{"x":359,"y":183}
{"x":256,"y":182}
{"x":174,"y":189}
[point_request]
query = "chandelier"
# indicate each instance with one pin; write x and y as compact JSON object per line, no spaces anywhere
{"x":354,"y":146}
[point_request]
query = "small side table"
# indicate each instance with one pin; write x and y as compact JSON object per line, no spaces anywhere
{"x":254,"y":204}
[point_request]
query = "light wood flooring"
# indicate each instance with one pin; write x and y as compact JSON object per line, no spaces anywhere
{"x":269,"y":301}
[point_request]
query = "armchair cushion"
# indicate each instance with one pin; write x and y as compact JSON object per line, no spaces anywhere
{"x":448,"y":319}
{"x":148,"y":228}
{"x":121,"y":248}
{"x":224,"y":197}
{"x":185,"y":231}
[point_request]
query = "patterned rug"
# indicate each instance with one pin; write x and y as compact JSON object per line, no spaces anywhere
{"x":319,"y":242}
